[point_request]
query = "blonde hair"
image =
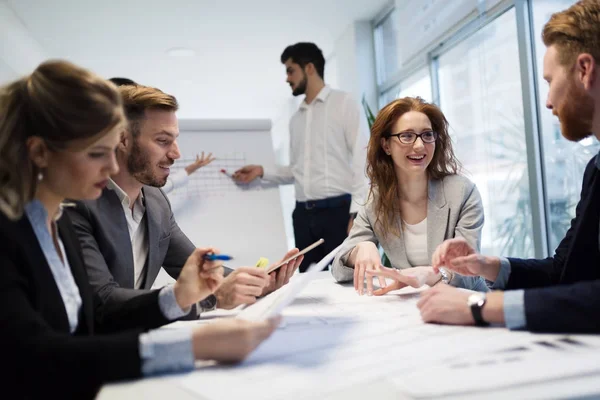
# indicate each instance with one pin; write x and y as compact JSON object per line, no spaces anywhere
{"x":60,"y":103}
{"x":380,"y":166}
{"x":574,"y":31}
{"x":138,"y":98}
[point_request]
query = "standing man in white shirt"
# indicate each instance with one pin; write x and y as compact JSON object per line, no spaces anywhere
{"x":327,"y":155}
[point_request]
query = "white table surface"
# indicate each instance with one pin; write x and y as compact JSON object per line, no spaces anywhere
{"x":374,"y":312}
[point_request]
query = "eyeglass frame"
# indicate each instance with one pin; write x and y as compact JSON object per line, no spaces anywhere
{"x":417,"y":135}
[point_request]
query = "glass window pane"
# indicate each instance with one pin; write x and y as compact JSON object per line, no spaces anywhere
{"x":386,"y":55}
{"x":417,"y":84}
{"x":564,"y":161}
{"x":388,"y":96}
{"x":480,"y":94}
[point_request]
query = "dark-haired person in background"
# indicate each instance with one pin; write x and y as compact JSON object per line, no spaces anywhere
{"x":327,"y":155}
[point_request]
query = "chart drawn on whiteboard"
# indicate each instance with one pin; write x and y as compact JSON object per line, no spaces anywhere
{"x":210,"y":181}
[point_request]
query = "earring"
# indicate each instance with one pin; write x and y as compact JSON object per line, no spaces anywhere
{"x":40,"y":176}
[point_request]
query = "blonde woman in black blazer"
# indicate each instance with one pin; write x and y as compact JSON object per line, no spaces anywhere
{"x":59,"y":128}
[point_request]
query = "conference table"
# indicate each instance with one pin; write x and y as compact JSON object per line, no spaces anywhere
{"x":334,"y":344}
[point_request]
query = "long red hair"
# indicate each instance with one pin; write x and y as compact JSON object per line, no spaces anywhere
{"x":380,"y":166}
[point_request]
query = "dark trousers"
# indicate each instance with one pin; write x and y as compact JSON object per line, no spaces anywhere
{"x":327,"y":219}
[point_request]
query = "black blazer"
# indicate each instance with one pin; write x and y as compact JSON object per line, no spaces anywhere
{"x":563,"y":292}
{"x":41,"y":357}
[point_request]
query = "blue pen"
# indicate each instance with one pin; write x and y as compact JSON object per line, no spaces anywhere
{"x":213,"y":257}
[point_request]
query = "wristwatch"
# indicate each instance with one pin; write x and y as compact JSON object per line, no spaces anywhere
{"x":476,"y":301}
{"x":208,"y":304}
{"x":446,"y":276}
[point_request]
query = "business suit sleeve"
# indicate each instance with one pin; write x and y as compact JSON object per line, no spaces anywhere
{"x":361,"y":231}
{"x":469,"y":227}
{"x":564,"y":308}
{"x":99,"y":275}
{"x":530,"y":273}
{"x":180,"y":246}
{"x":55,"y":362}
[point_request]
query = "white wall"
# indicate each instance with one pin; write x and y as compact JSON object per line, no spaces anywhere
{"x":18,"y":50}
{"x":355,"y":59}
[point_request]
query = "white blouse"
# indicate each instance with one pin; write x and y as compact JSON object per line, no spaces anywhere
{"x":415,"y":241}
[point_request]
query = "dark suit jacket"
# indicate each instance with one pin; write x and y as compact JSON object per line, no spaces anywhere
{"x":41,"y":357}
{"x":563,"y":292}
{"x":102,"y":230}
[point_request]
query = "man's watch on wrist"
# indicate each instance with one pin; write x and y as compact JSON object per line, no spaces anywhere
{"x":208,"y":304}
{"x":476,"y":301}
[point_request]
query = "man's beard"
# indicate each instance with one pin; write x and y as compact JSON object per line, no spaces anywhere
{"x":576,"y":113}
{"x":139,"y":166}
{"x":301,"y":88}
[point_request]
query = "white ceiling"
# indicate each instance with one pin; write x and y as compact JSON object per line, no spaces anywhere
{"x":236,"y":71}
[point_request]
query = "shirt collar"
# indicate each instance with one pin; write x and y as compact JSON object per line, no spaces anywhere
{"x":36,"y":211}
{"x":322,"y":96}
{"x":123,"y":197}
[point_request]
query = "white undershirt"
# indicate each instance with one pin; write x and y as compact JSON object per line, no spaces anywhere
{"x":137,"y":232}
{"x":415,"y":241}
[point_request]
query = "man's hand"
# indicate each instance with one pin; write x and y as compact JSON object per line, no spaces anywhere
{"x":242,"y":286}
{"x":198,"y":279}
{"x":458,"y":255}
{"x":282,"y":275}
{"x":248,"y":173}
{"x":230,"y":340}
{"x":414,"y":277}
{"x":445,"y":304}
{"x":200,"y":162}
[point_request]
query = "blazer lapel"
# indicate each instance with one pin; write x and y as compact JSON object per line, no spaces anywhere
{"x":153,"y":232}
{"x":110,"y":206}
{"x":42,"y":273}
{"x":438,"y":213}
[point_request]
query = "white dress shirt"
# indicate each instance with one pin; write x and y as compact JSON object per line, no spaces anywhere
{"x":327,"y":150}
{"x":415,"y":241}
{"x":137,"y":231}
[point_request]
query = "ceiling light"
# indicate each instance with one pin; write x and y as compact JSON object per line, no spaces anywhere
{"x":181,"y":52}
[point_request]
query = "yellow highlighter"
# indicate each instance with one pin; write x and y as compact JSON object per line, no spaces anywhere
{"x":262,"y":262}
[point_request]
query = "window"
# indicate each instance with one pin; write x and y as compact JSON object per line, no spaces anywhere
{"x":563,"y":161}
{"x":481,"y":96}
{"x":386,"y":54}
{"x":417,"y":84}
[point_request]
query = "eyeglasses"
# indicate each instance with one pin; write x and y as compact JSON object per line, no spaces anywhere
{"x":411,"y":137}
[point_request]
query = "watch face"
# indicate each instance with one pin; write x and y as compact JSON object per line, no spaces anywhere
{"x":476,"y":299}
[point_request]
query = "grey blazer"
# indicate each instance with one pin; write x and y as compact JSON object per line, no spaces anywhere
{"x":102,"y":230}
{"x":454,"y":209}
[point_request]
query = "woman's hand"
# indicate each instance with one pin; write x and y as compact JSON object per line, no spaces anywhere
{"x":414,"y":277}
{"x":365,"y":257}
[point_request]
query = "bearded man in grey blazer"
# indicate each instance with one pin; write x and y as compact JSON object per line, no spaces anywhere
{"x":130,"y":232}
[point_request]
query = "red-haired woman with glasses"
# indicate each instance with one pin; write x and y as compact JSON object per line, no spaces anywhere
{"x":416,"y":201}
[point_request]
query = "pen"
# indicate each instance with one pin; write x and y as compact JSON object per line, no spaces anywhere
{"x":213,"y":257}
{"x":227,"y":173}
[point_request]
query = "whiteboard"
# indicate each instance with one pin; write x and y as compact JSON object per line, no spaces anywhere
{"x":244,"y":221}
